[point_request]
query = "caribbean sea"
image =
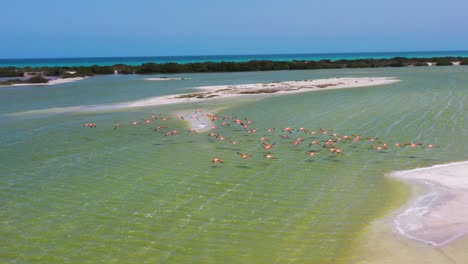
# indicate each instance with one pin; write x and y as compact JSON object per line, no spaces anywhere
{"x":106,"y":61}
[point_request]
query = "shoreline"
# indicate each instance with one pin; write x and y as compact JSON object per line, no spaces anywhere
{"x":438,"y":212}
{"x":50,"y":82}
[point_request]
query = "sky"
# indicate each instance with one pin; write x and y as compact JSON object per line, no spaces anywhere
{"x":116,"y":28}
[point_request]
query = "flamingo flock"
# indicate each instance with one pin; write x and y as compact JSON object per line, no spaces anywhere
{"x":318,"y":141}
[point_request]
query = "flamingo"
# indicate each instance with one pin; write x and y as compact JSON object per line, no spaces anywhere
{"x":211,"y":134}
{"x":413,"y":145}
{"x":315,"y":142}
{"x":172,"y":133}
{"x":117,"y":125}
{"x":91,"y":125}
{"x":269,"y":156}
{"x":288,"y":129}
{"x":305,"y":130}
{"x":268,"y":146}
{"x":269,"y":130}
{"x":324,"y":131}
{"x":329,"y":143}
{"x":238,"y":121}
{"x":264,"y":139}
{"x":337,"y":150}
{"x":225,"y":124}
{"x":193,"y":131}
{"x":312,"y":153}
{"x":221,"y":137}
{"x":217,"y":160}
{"x":244,"y":156}
{"x":213,"y":117}
{"x":158,"y":128}
{"x":379,"y":148}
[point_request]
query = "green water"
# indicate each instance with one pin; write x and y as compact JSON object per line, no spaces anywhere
{"x":70,"y":194}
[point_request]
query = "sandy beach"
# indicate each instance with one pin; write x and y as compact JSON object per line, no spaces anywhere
{"x":225,"y":91}
{"x":439,"y":213}
{"x":51,"y":82}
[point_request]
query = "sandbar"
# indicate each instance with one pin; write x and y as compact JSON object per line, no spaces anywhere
{"x":164,"y":79}
{"x":439,"y":213}
{"x":273,"y":88}
{"x":258,"y":90}
{"x":51,"y":82}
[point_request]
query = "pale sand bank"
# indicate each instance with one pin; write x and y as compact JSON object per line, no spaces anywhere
{"x":164,"y":79}
{"x":253,"y":91}
{"x":51,"y":82}
{"x":226,"y":91}
{"x":430,"y":228}
{"x":439,"y":215}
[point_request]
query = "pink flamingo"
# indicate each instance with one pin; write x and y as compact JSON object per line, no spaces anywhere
{"x":217,"y":160}
{"x":268,"y":146}
{"x":244,"y":156}
{"x":315,"y":142}
{"x":312,"y":153}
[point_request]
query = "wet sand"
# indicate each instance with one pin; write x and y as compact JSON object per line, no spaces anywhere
{"x":433,"y":225}
{"x":439,"y":215}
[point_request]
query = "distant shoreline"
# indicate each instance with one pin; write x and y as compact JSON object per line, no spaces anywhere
{"x":231,"y":66}
{"x":183,"y":59}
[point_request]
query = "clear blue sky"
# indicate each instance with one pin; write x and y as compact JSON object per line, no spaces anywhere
{"x":99,"y":28}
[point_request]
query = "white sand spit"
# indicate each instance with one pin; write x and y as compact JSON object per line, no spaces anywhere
{"x":225,"y":91}
{"x":51,"y":82}
{"x":164,"y":79}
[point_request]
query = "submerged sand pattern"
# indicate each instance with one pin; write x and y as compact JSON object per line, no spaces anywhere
{"x":440,"y":215}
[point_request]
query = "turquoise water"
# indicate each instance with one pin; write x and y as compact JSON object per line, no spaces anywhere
{"x":71,"y":194}
{"x":219,"y":58}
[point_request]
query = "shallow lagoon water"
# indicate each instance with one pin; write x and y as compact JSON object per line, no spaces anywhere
{"x":71,"y":194}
